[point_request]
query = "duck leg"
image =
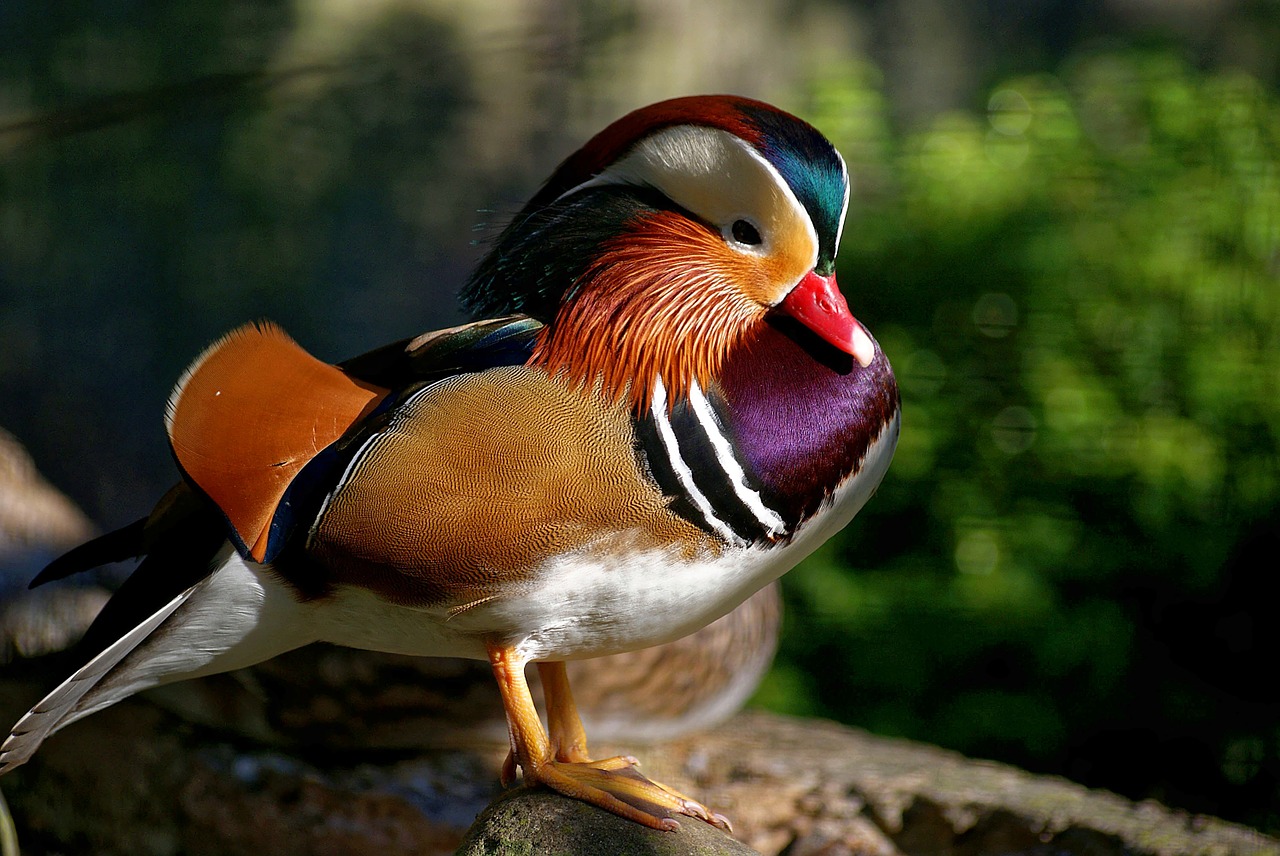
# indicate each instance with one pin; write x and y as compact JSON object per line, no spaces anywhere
{"x":568,"y":738}
{"x":561,"y":762}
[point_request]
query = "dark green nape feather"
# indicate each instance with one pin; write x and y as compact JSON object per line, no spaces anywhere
{"x":814,"y":170}
{"x":542,"y":255}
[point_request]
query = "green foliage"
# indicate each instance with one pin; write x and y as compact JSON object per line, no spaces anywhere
{"x":1079,"y":294}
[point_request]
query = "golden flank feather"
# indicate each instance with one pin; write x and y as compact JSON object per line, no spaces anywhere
{"x":499,"y":484}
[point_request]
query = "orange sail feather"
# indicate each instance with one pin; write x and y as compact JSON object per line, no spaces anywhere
{"x":250,"y":413}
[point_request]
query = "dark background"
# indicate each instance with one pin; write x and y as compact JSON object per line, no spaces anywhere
{"x":1065,"y":232}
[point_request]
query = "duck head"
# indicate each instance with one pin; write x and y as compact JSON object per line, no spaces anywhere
{"x":658,"y":248}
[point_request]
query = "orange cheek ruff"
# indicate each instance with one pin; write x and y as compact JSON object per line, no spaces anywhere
{"x":666,"y":299}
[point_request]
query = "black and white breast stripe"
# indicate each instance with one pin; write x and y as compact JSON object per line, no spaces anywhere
{"x":694,"y":462}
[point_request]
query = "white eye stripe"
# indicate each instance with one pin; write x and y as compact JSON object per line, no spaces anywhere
{"x":798,"y":212}
{"x":717,"y":176}
{"x":844,"y":206}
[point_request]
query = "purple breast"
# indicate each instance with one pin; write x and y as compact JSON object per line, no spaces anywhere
{"x":802,"y":414}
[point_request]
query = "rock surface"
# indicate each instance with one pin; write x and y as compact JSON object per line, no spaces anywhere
{"x":135,"y":779}
{"x":527,"y":822}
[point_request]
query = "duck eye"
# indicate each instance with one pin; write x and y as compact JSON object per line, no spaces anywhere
{"x":745,"y":233}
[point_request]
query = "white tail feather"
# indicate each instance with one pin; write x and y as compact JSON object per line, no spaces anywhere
{"x":235,"y":617}
{"x":58,"y":708}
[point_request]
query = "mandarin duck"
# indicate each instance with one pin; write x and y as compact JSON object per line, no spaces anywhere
{"x":667,"y":406}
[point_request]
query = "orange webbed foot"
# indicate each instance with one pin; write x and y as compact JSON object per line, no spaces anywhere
{"x":615,"y":785}
{"x":560,"y":760}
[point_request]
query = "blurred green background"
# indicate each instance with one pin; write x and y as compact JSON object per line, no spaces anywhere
{"x":1065,"y":232}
